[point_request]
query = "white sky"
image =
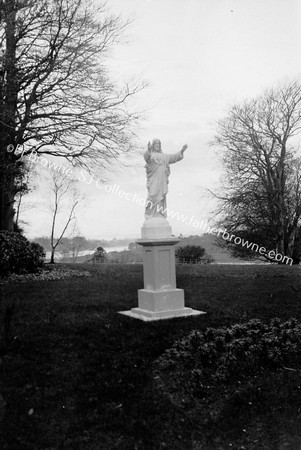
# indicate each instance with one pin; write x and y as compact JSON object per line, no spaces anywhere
{"x":199,"y":57}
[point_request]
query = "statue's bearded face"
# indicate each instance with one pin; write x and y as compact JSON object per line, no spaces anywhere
{"x":157,"y":146}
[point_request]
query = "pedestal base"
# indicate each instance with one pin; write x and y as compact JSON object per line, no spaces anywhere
{"x":160,"y":299}
{"x":160,"y":304}
{"x":149,"y":316}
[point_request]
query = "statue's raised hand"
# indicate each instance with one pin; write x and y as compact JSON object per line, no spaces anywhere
{"x":184,"y":148}
{"x":149,"y":147}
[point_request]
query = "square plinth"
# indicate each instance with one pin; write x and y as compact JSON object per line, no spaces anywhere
{"x":162,"y":300}
{"x":149,"y":316}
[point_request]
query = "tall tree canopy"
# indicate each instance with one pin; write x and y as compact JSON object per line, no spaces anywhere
{"x":261,"y":194}
{"x":55,"y":94}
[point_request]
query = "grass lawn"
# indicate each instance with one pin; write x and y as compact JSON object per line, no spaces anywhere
{"x":77,"y":375}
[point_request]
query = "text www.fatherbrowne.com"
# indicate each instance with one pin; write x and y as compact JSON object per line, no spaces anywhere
{"x":221,"y":232}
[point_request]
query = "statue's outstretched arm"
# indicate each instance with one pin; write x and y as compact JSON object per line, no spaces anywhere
{"x":175,"y":157}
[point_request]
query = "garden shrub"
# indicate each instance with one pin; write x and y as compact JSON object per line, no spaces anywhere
{"x":193,"y":254}
{"x":18,"y":255}
{"x":203,"y":361}
{"x":38,"y":256}
{"x":190,"y":253}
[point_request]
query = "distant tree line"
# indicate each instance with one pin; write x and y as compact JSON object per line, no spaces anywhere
{"x":68,"y":243}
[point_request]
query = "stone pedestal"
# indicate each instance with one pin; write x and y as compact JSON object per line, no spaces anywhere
{"x":160,"y":298}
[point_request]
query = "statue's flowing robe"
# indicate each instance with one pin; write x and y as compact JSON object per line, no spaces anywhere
{"x":157,"y":172}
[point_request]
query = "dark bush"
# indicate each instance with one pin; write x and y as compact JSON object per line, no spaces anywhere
{"x":18,"y":255}
{"x":202,"y":361}
{"x":192,"y":254}
{"x":39,"y":255}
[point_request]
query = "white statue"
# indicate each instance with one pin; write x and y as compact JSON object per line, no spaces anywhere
{"x":157,"y":172}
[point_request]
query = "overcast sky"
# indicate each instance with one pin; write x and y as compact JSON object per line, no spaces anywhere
{"x":198,"y":57}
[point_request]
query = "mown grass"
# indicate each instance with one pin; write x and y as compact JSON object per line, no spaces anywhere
{"x":77,"y":375}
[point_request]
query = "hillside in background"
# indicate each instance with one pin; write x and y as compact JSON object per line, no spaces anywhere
{"x":80,"y":249}
{"x":207,"y":241}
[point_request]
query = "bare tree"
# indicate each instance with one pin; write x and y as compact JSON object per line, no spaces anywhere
{"x":65,"y":199}
{"x":74,"y":244}
{"x":261,"y":197}
{"x":77,"y":245}
{"x":56,"y":96}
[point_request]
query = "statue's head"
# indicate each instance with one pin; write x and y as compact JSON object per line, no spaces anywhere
{"x":156,"y":145}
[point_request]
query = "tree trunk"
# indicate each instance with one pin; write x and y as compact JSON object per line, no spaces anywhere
{"x":52,"y":256}
{"x":7,"y":211}
{"x":296,"y":253}
{"x":8,"y":109}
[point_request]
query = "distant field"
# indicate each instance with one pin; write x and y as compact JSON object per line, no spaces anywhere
{"x":77,"y":375}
